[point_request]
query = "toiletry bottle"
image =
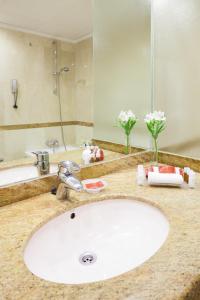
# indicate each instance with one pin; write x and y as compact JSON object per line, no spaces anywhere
{"x":141,"y":177}
{"x":192,"y":179}
{"x":86,"y":155}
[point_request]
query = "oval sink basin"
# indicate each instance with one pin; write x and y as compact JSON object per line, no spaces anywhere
{"x":96,"y":241}
{"x":17,"y":174}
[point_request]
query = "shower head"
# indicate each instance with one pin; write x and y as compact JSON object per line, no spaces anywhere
{"x":64,"y":69}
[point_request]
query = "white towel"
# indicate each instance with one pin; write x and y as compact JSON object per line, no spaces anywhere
{"x":155,"y":178}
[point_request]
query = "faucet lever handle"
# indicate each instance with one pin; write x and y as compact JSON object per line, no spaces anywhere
{"x":68,"y":167}
{"x":36,"y":153}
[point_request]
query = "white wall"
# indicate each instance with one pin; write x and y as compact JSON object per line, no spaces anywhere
{"x":177,"y":72}
{"x":121,"y":67}
{"x":14,"y":143}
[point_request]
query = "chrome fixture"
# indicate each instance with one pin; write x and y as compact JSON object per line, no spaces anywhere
{"x":66,"y":170}
{"x":14,"y":89}
{"x":53,"y":144}
{"x":64,"y":69}
{"x":42,"y":162}
{"x":56,"y":74}
{"x":87,"y":258}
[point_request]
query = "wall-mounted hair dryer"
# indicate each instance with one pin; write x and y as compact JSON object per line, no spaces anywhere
{"x":14,"y":89}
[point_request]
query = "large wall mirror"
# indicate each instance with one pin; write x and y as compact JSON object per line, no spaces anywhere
{"x":64,"y":87}
{"x":58,"y":95}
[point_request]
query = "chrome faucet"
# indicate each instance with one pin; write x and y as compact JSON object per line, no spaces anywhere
{"x":66,"y":170}
{"x":53,"y":144}
{"x":42,"y":162}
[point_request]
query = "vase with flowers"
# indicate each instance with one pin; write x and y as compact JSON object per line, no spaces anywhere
{"x":156,"y":123}
{"x":127,"y":120}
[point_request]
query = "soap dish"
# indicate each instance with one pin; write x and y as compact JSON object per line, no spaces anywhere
{"x":94,"y":185}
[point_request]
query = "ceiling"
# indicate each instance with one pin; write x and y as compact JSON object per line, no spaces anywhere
{"x":70,"y":20}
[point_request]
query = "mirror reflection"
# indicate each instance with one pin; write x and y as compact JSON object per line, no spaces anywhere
{"x":61,"y":99}
{"x":64,"y":86}
{"x":49,"y":106}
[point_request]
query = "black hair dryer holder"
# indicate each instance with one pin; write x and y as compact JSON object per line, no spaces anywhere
{"x":14,"y":88}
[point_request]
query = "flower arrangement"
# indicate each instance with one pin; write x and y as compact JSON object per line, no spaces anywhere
{"x":126,"y":121}
{"x":155,"y":122}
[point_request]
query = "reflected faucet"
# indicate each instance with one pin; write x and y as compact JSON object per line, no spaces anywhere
{"x":42,"y":162}
{"x":66,"y":170}
{"x":53,"y":144}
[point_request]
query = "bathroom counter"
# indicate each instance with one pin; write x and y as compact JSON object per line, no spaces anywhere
{"x":172,"y":273}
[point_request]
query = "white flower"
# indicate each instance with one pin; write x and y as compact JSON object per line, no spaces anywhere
{"x":122,"y":116}
{"x":125,"y":116}
{"x":155,"y":116}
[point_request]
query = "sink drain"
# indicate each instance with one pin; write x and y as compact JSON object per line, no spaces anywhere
{"x":87,"y":258}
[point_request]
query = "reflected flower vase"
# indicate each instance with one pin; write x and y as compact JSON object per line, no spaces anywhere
{"x":127,"y":120}
{"x":128,"y":146}
{"x":155,"y":154}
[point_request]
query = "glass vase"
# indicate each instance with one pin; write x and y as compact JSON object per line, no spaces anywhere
{"x":128,"y":146}
{"x":155,"y":157}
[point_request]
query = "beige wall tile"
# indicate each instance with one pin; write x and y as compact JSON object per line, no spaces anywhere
{"x":29,"y":59}
{"x":84,"y":80}
{"x":14,"y":143}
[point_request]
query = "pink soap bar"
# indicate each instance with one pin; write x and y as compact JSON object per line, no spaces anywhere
{"x":94,"y":185}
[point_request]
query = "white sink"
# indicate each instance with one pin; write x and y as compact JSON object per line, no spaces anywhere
{"x":17,"y":174}
{"x":105,"y":239}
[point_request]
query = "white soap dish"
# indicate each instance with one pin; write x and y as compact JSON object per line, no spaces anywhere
{"x":94,"y":185}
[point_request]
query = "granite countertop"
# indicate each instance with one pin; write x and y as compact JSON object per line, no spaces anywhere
{"x":172,"y":273}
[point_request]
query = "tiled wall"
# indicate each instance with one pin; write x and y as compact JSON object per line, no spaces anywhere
{"x":84,"y":88}
{"x":14,"y":143}
{"x":29,"y":59}
{"x":84,"y":80}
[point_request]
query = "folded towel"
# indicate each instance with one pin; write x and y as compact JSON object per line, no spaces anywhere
{"x":172,"y":179}
{"x":164,"y":169}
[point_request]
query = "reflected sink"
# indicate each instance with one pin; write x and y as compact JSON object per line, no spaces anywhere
{"x":17,"y":174}
{"x":103,"y":240}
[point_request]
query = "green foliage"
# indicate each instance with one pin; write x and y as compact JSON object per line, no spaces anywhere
{"x":127,"y":125}
{"x":155,"y":127}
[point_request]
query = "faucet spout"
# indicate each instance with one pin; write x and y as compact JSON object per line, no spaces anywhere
{"x":72,"y":182}
{"x":42,"y":162}
{"x":66,"y":170}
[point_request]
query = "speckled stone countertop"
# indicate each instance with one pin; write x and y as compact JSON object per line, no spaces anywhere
{"x":172,"y":273}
